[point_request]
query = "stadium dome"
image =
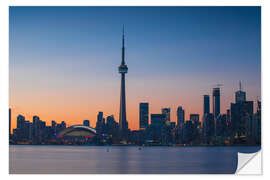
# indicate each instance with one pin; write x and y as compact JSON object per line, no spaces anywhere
{"x":77,"y":130}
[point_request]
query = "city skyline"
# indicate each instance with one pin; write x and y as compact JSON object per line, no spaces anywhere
{"x":46,"y":87}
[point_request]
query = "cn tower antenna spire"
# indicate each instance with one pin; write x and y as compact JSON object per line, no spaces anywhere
{"x":123,"y":35}
{"x":123,"y":46}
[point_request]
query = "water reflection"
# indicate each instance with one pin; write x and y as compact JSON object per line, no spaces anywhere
{"x":122,"y":160}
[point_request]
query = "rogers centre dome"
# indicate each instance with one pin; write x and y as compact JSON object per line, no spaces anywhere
{"x":77,"y":130}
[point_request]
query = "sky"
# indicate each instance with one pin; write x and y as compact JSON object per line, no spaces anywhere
{"x":64,"y":60}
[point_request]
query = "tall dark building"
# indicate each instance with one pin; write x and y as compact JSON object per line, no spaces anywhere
{"x":86,"y":123}
{"x":241,"y":118}
{"x":188,"y":131}
{"x":123,"y":69}
{"x":166,"y":112}
{"x":158,"y":119}
{"x":195,"y":118}
{"x":100,"y":116}
{"x":36,"y":129}
{"x":173,"y":125}
{"x":257,"y":124}
{"x":220,"y":125}
{"x":228,"y":117}
{"x":206,"y":104}
{"x":100,"y":126}
{"x":20,"y":121}
{"x":216,"y":102}
{"x":19,"y":131}
{"x":157,"y":124}
{"x":240,"y":96}
{"x":110,"y":120}
{"x":63,"y":124}
{"x":144,"y":115}
{"x":53,"y":126}
{"x":180,"y":117}
{"x":112,"y":129}
{"x":208,"y":127}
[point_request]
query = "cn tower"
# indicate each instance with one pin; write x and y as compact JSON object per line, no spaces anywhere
{"x":123,"y":69}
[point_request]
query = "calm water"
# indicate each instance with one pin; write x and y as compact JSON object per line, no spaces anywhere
{"x":122,"y":160}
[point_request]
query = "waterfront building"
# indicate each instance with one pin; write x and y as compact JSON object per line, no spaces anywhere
{"x":180,"y":116}
{"x":20,"y":121}
{"x":86,"y":123}
{"x":144,"y":115}
{"x":240,"y":96}
{"x":195,"y":118}
{"x":157,"y":124}
{"x":208,"y":128}
{"x":206,"y":104}
{"x":188,"y":132}
{"x":216,"y":102}
{"x":241,"y":119}
{"x":221,"y":125}
{"x":100,"y":124}
{"x":166,"y":112}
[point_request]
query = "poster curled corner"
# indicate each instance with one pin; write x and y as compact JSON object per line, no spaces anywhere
{"x":249,"y":163}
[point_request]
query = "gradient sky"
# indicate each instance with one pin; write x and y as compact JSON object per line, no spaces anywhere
{"x":64,"y":60}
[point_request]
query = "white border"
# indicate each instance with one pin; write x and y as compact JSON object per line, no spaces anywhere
{"x":4,"y":73}
{"x":135,"y":2}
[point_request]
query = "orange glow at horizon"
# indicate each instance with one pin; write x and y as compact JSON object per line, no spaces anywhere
{"x":74,"y":101}
{"x":75,"y":105}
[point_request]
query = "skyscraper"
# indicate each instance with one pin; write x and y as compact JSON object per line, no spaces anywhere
{"x":220,"y":125}
{"x":100,"y":126}
{"x":157,"y":124}
{"x":216,"y":102}
{"x":228,"y":117}
{"x":257,"y":124}
{"x":180,"y":116}
{"x":188,"y":131}
{"x":166,"y":112}
{"x":144,"y":115}
{"x":36,"y":129}
{"x":54,"y":126}
{"x":240,"y":96}
{"x":123,"y":69}
{"x":158,"y":120}
{"x":86,"y":123}
{"x":206,"y":104}
{"x":195,"y":118}
{"x":112,"y":128}
{"x":20,"y":121}
{"x":241,"y":116}
{"x":100,"y":116}
{"x":208,"y":127}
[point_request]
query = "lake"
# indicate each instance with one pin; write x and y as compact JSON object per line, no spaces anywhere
{"x":43,"y":159}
